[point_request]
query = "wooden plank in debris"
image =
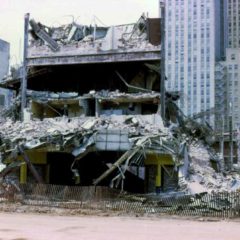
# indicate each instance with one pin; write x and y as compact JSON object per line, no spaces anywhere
{"x":127,"y":155}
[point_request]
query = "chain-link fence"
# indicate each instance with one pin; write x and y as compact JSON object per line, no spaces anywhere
{"x":223,"y":205}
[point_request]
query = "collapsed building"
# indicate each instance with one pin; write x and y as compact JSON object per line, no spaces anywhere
{"x":92,"y":113}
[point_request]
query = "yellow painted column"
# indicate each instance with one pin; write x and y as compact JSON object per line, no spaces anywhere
{"x":23,"y":173}
{"x":158,"y":176}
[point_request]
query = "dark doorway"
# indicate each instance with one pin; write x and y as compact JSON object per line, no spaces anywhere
{"x":60,"y":168}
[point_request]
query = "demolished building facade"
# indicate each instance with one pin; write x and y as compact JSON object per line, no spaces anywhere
{"x":92,"y":113}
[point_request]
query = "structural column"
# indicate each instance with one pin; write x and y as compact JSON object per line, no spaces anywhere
{"x":158,"y":178}
{"x":162,"y":57}
{"x":24,"y":68}
{"x":23,"y":173}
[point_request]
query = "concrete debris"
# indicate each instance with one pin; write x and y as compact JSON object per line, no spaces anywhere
{"x":108,"y":95}
{"x":77,"y":136}
{"x":89,"y":124}
{"x":41,"y":32}
{"x":184,"y":139}
{"x":204,"y":178}
{"x":35,"y":132}
{"x":87,"y":142}
{"x":74,"y":36}
{"x":13,"y":111}
{"x":40,"y":95}
{"x":103,"y":95}
{"x":114,"y":114}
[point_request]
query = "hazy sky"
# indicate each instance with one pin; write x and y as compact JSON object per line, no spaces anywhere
{"x":56,"y":12}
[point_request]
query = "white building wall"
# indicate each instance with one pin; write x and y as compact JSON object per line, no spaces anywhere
{"x":228,"y":88}
{"x":233,"y":12}
{"x":233,"y":80}
{"x":190,"y":52}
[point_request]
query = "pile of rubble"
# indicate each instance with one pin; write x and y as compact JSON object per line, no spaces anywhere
{"x":36,"y":129}
{"x":186,"y":141}
{"x":88,"y":39}
{"x":100,"y":95}
{"x":66,"y":132}
{"x":204,"y":178}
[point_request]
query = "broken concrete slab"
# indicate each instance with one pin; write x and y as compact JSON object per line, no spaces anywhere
{"x":80,"y":40}
{"x":43,"y":35}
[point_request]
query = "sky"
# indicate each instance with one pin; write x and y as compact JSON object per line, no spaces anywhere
{"x":57,"y":12}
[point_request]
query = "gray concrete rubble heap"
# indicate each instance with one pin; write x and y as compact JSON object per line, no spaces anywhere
{"x":114,"y":113}
{"x":67,"y":132}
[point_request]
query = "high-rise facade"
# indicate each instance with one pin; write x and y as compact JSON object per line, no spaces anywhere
{"x":233,"y":23}
{"x":4,"y":58}
{"x":228,"y":79}
{"x":233,"y":59}
{"x":221,"y":27}
{"x":5,"y":95}
{"x":190,"y":52}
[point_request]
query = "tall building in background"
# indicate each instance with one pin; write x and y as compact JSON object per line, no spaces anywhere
{"x":228,"y":70}
{"x":191,"y":48}
{"x":232,"y":62}
{"x":233,"y":26}
{"x":221,"y":26}
{"x":4,"y":58}
{"x":5,"y":95}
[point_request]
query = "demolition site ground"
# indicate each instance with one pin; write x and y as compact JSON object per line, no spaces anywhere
{"x":24,"y":226}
